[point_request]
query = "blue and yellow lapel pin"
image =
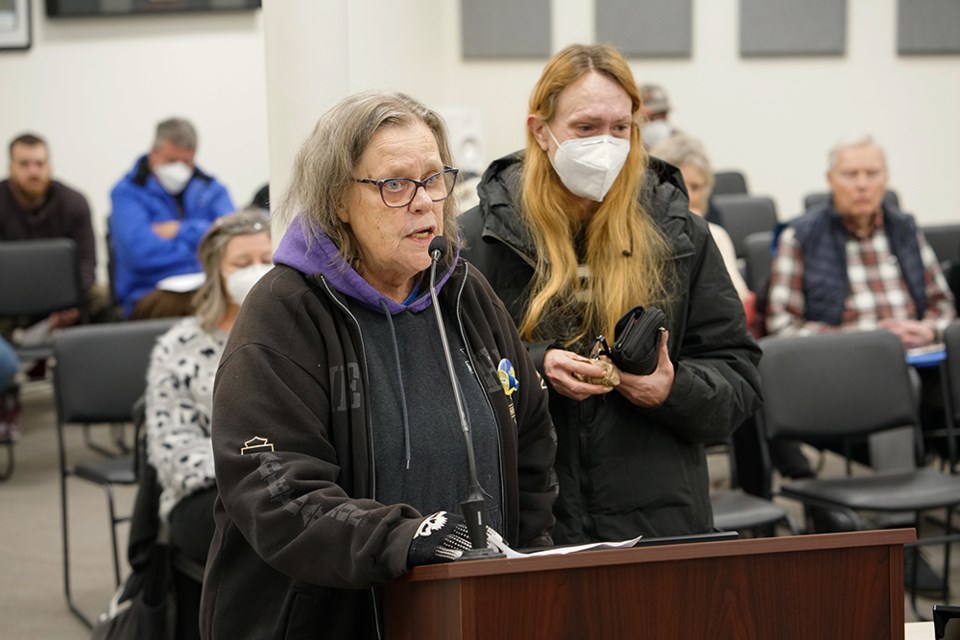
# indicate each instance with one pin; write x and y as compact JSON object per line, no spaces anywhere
{"x":508,"y":378}
{"x":509,"y":382}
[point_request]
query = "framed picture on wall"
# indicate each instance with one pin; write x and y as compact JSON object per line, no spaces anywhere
{"x":67,"y":8}
{"x":14,"y":24}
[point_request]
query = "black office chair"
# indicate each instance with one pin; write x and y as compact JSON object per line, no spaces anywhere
{"x":944,"y":239}
{"x":950,"y":380}
{"x":831,"y":387}
{"x":10,"y":414}
{"x":818,"y":198}
{"x":759,"y":258}
{"x":99,"y":373}
{"x":745,"y":214}
{"x":736,"y":510}
{"x":38,"y":277}
{"x":729,"y":182}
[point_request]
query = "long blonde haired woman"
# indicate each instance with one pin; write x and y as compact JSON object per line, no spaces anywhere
{"x":574,"y":232}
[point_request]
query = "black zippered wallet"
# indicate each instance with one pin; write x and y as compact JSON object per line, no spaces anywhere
{"x":637,"y":346}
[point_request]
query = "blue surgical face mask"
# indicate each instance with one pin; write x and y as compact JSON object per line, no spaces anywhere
{"x":588,"y":167}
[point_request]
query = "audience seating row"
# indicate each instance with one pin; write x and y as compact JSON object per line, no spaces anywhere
{"x":824,"y":388}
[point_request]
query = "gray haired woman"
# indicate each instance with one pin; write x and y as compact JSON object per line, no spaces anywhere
{"x":235,"y":252}
{"x":339,"y":456}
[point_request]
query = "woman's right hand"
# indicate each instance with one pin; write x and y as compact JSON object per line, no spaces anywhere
{"x":559,"y":367}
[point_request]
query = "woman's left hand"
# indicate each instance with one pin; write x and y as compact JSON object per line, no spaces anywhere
{"x":651,"y":390}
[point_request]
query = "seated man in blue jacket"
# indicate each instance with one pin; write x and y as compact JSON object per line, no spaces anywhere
{"x":161,"y":209}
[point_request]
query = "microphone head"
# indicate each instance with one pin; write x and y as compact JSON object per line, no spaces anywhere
{"x":438,"y":247}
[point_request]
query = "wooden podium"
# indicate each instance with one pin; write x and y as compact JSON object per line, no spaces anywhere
{"x":840,"y":585}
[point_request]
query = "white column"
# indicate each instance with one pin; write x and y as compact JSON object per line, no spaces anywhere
{"x":307,"y":72}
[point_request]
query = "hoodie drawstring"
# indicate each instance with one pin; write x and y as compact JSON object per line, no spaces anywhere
{"x":403,"y":393}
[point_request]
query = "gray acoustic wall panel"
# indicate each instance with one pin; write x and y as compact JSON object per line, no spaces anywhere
{"x":793,"y":28}
{"x":505,"y":28}
{"x":646,"y":28}
{"x":928,"y":26}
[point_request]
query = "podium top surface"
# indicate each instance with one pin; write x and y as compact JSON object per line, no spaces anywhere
{"x":662,"y":553}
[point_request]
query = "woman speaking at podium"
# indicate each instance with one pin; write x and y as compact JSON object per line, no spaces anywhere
{"x":340,"y":458}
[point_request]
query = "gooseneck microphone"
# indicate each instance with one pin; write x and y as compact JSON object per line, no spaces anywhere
{"x":473,"y":507}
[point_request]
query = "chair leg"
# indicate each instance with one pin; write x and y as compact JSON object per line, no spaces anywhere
{"x":915,"y":565}
{"x":8,"y":471}
{"x":113,"y":534}
{"x":789,"y":524}
{"x":915,"y":550}
{"x":948,"y":532}
{"x":66,"y":555}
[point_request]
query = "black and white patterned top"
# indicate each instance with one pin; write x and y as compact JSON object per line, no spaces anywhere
{"x":178,"y":403}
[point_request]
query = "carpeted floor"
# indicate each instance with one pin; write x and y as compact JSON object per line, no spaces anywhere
{"x":32,"y":603}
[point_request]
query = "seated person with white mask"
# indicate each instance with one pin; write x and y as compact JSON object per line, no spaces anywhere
{"x":235,"y":253}
{"x":160,"y":210}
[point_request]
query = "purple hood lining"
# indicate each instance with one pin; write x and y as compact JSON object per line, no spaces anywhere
{"x":324,"y":258}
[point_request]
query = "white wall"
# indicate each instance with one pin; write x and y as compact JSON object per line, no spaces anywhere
{"x":774,"y":118}
{"x":96,"y":87}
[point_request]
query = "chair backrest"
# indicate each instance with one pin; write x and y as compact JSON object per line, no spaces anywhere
{"x":944,"y":239}
{"x":729,"y":182}
{"x":759,"y":259}
{"x":812,"y":200}
{"x":745,"y":214}
{"x":951,"y":338}
{"x":951,"y":271}
{"x":836,"y":385}
{"x":101,"y":369}
{"x":38,"y":277}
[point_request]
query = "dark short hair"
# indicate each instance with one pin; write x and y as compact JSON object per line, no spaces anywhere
{"x":28,"y":139}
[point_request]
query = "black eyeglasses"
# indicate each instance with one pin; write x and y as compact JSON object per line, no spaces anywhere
{"x":399,"y":192}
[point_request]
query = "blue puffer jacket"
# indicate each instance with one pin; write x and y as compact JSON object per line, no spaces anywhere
{"x":141,"y":258}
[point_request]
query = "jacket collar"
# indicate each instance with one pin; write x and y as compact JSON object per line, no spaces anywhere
{"x":315,"y":253}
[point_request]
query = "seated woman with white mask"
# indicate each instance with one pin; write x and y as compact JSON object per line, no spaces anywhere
{"x":235,"y":252}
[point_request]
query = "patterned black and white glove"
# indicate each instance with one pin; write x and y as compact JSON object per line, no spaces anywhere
{"x":440,"y":538}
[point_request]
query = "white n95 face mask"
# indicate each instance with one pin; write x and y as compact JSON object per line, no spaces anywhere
{"x":240,"y":282}
{"x":173,"y":176}
{"x":588,"y":167}
{"x":654,"y":132}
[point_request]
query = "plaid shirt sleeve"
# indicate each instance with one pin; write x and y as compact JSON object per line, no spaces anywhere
{"x":785,"y":296}
{"x":941,"y":310}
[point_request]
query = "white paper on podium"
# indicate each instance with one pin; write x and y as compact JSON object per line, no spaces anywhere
{"x":502,"y":547}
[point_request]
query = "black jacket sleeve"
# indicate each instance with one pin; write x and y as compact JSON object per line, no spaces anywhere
{"x":289,"y":502}
{"x":717,"y":384}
